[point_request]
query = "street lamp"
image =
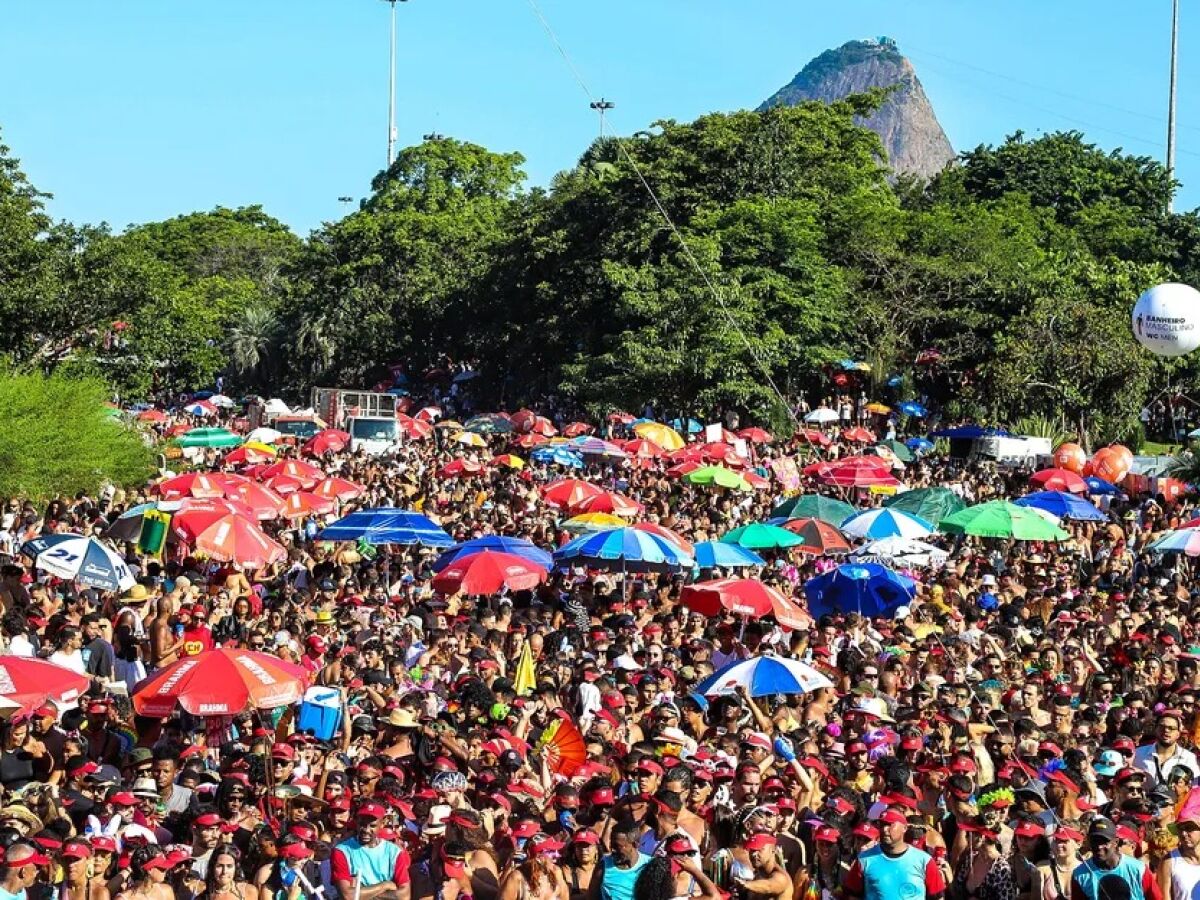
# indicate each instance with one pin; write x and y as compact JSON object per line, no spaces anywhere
{"x":1171,"y":101}
{"x":602,"y":106}
{"x":391,"y":143}
{"x":346,"y":201}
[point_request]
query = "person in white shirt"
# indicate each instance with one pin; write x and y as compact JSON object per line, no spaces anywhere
{"x":70,"y":650}
{"x":1158,"y":759}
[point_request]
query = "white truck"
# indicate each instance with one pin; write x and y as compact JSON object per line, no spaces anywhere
{"x":368,"y":416}
{"x":1016,"y":450}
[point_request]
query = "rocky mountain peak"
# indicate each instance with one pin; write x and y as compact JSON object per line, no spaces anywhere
{"x":906,"y":123}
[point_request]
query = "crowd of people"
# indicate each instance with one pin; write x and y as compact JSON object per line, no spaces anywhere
{"x":1024,"y":729}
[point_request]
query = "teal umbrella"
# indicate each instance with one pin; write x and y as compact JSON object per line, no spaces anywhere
{"x":208,"y":437}
{"x":932,"y":504}
{"x":814,"y":506}
{"x":759,"y":536}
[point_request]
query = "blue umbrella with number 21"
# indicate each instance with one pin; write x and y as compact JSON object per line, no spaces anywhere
{"x":873,"y":590}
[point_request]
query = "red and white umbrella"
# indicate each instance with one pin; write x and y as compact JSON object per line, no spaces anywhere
{"x":608,"y":502}
{"x":460,"y":468}
{"x":30,"y":681}
{"x":339,"y":489}
{"x":302,"y":503}
{"x":488,"y":573}
{"x":221,"y":683}
{"x":262,"y":502}
{"x":286,"y":484}
{"x":191,"y":484}
{"x":755,"y":436}
{"x":190,"y":523}
{"x":238,"y":540}
{"x":414,"y":429}
{"x":569,"y":492}
{"x":575,"y":429}
{"x":744,"y":597}
{"x":1059,"y":480}
{"x":306,"y":473}
{"x":331,"y":440}
{"x":428,"y":414}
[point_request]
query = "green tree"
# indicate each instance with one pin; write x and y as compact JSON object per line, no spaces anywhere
{"x":58,"y":439}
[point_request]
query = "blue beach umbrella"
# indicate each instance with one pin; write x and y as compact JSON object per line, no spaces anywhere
{"x":387,"y":526}
{"x":557,"y":455}
{"x":1101,"y":488}
{"x":1063,"y":505}
{"x":912,"y":408}
{"x":868,"y":588}
{"x":711,"y":554}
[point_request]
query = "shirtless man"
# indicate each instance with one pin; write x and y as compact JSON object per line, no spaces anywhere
{"x":770,"y":881}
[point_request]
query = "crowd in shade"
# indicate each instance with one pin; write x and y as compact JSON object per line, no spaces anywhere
{"x":526,"y":657}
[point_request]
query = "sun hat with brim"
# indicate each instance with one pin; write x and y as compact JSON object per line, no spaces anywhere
{"x":33,"y":859}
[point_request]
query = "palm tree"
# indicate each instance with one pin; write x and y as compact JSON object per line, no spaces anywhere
{"x":252,"y":341}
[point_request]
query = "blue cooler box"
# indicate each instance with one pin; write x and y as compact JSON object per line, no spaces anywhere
{"x":320,"y":712}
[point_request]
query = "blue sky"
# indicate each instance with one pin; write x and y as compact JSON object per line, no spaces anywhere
{"x":135,"y":110}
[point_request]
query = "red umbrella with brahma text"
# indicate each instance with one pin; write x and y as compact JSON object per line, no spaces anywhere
{"x":743,"y":597}
{"x":221,"y":683}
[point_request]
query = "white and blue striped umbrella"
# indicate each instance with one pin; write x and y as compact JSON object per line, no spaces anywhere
{"x":877,"y":524}
{"x":624,"y":550}
{"x":763,"y":676}
{"x":594,"y":446}
{"x":1181,"y":540}
{"x":557,"y":455}
{"x":81,"y":559}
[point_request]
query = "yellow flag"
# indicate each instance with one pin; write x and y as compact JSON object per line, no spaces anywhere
{"x":525,"y":679}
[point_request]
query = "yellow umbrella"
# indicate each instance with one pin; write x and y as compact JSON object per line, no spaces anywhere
{"x":470,"y":438}
{"x":663,"y":435}
{"x":593,"y":522}
{"x":878,"y":409}
{"x":525,"y":677}
{"x":509,"y":461}
{"x":259,"y":447}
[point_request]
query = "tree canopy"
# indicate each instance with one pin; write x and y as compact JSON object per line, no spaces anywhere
{"x":789,"y":248}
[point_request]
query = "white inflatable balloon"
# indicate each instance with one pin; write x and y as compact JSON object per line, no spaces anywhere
{"x":1166,"y":319}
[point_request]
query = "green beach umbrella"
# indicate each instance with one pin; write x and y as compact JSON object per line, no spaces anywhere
{"x":208,"y":437}
{"x":1001,"y":519}
{"x":720,"y":476}
{"x":762,"y":537}
{"x":898,"y":449}
{"x":932,"y":504}
{"x":814,"y":506}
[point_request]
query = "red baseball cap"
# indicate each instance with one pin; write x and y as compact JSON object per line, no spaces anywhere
{"x":102,"y":843}
{"x":760,"y":840}
{"x":369,"y":809}
{"x":892,"y":815}
{"x":297,"y":850}
{"x":207,"y":820}
{"x":1029,"y":829}
{"x":826,"y":834}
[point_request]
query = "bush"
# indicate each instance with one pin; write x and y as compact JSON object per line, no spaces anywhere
{"x":56,"y":438}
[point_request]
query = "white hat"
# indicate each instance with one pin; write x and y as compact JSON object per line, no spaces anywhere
{"x":988,"y":581}
{"x":902,"y":612}
{"x":435,"y":822}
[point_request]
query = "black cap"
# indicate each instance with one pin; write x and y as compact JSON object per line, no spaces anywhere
{"x":1102,"y":828}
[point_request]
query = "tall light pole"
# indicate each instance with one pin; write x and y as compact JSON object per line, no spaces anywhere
{"x":1174,"y":85}
{"x":602,"y":106}
{"x":391,"y":143}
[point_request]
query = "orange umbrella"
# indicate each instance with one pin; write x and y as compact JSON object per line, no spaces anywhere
{"x":813,"y":436}
{"x":221,"y":683}
{"x":819,"y":537}
{"x":575,"y":429}
{"x":188,"y":524}
{"x":238,"y":540}
{"x":338,"y":489}
{"x":302,"y":503}
{"x":544,"y":427}
{"x":529,"y":441}
{"x":155,"y":416}
{"x":641,"y":448}
{"x":859,"y":435}
{"x":756,"y":481}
